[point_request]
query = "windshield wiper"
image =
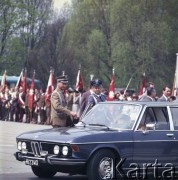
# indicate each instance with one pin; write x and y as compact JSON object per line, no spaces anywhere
{"x":103,"y":125}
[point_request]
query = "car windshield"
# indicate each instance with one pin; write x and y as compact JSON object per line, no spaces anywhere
{"x":119,"y":116}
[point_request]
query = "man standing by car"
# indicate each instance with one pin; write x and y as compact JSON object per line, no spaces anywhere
{"x":151,"y":94}
{"x":59,"y":112}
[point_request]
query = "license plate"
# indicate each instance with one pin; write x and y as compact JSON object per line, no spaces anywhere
{"x":31,"y":162}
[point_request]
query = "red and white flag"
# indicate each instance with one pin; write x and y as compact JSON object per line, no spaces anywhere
{"x":3,"y":81}
{"x":31,"y":93}
{"x":50,"y":86}
{"x":79,"y":83}
{"x":143,"y":85}
{"x":20,"y":80}
{"x":25,"y":82}
{"x":111,"y":92}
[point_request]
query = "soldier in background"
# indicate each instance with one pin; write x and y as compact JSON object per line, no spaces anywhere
{"x":21,"y":101}
{"x":5,"y":99}
{"x":35,"y":110}
{"x":7,"y":106}
{"x":70,"y":97}
{"x":27,"y":111}
{"x":14,"y":104}
{"x":41,"y":106}
{"x":48,"y":111}
{"x":76,"y":102}
{"x":134,"y":97}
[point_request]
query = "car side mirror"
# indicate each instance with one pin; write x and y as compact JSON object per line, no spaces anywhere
{"x":150,"y":126}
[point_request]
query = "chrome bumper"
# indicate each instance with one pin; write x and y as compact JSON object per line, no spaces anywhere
{"x":52,"y":160}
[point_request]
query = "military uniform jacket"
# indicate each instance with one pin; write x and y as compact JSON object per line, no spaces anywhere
{"x":94,"y":98}
{"x":41,"y":102}
{"x":59,"y":111}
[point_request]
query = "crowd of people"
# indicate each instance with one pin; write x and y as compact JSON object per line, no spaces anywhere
{"x":66,"y":104}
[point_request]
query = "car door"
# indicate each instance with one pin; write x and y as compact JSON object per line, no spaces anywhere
{"x":174,"y":116}
{"x":158,"y":144}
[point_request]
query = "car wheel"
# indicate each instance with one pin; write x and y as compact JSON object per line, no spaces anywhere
{"x":102,"y":165}
{"x":43,"y":172}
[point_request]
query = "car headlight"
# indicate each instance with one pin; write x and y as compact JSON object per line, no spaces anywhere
{"x":56,"y":149}
{"x":19,"y":145}
{"x":65,"y":150}
{"x":24,"y":145}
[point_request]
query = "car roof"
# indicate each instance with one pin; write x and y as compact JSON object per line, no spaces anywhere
{"x":142,"y":103}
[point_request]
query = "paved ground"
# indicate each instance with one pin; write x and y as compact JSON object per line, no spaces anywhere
{"x":10,"y":168}
{"x":8,"y":133}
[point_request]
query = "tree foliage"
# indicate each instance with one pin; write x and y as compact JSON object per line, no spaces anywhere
{"x":22,"y":27}
{"x":132,"y":36}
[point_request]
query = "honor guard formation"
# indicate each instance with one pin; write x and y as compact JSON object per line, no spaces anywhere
{"x":64,"y":106}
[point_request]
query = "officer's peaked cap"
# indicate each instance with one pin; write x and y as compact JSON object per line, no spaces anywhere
{"x":62,"y":79}
{"x":96,"y":82}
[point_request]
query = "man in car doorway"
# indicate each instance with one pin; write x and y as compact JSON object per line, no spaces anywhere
{"x":96,"y":95}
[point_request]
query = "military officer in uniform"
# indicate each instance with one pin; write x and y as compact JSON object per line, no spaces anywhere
{"x":41,"y":106}
{"x":59,"y":112}
{"x":96,"y":95}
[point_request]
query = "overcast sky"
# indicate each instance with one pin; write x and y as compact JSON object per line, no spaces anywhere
{"x":58,"y":4}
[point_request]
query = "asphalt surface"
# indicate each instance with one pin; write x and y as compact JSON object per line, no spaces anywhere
{"x":10,"y":168}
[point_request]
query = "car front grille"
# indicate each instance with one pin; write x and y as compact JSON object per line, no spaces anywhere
{"x":47,"y":147}
{"x":35,"y":146}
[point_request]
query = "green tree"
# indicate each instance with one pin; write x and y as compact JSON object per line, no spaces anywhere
{"x":89,"y":20}
{"x":141,"y":39}
{"x":8,"y":23}
{"x":22,"y":26}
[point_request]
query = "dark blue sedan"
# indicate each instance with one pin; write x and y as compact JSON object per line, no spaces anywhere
{"x":114,"y":139}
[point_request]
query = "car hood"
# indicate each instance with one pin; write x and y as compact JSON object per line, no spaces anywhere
{"x":75,"y":135}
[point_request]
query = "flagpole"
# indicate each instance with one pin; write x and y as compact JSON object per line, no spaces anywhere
{"x":113,"y":71}
{"x":3,"y":81}
{"x":127,"y":85}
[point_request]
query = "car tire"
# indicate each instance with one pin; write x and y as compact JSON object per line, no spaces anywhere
{"x":102,"y":165}
{"x":43,"y":172}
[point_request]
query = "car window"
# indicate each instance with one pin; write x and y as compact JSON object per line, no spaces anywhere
{"x":174,"y":111}
{"x":155,"y":115}
{"x":162,"y":118}
{"x":120,"y":116}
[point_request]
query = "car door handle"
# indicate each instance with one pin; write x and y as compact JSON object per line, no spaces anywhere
{"x":170,"y":135}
